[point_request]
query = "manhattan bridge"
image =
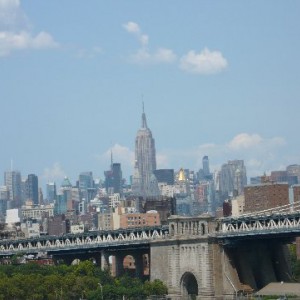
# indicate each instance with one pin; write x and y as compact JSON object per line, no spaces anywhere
{"x":211,"y":258}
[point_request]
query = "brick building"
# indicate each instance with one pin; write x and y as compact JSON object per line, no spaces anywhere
{"x":58,"y":225}
{"x":265,"y":196}
{"x":165,"y":206}
{"x":150,"y":218}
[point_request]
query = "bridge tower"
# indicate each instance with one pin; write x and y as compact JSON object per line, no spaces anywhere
{"x":190,"y":261}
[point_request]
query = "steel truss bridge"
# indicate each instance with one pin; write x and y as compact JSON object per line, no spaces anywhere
{"x":279,"y":221}
{"x":96,"y":240}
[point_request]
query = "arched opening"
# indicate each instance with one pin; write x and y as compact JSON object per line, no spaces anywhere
{"x":203,"y":231}
{"x":75,"y":262}
{"x":146,"y":265}
{"x":112,"y":265}
{"x":129,"y":265}
{"x":189,"y":286}
{"x":172,"y":233}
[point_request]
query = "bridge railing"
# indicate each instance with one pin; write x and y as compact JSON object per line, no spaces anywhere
{"x":265,"y":223}
{"x":87,"y":240}
{"x":283,"y":209}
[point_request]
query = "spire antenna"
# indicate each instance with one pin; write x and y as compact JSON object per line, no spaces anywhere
{"x":111,"y":156}
{"x":144,"y":120}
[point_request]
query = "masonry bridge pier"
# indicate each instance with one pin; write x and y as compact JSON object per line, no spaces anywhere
{"x":113,"y":259}
{"x":206,"y":258}
{"x":196,"y":257}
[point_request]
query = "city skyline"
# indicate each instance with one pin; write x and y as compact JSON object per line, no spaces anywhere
{"x":217,"y":79}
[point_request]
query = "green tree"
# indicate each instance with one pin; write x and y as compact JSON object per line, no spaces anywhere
{"x":155,"y":287}
{"x":84,"y":268}
{"x":295,"y":263}
{"x":35,"y":282}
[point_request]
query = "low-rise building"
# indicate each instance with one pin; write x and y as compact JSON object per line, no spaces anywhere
{"x":238,"y":205}
{"x":77,"y":228}
{"x":105,"y":221}
{"x":37,"y":212}
{"x":13,"y":216}
{"x":150,"y":218}
{"x":122,"y":217}
{"x":30,"y":228}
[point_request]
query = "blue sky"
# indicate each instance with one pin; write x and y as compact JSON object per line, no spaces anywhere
{"x":218,"y":78}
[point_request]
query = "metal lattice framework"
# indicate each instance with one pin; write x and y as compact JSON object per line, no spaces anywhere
{"x":283,"y":219}
{"x":96,"y":239}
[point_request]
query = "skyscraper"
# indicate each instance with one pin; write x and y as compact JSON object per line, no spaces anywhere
{"x":12,"y":179}
{"x":145,"y":160}
{"x":204,"y":173}
{"x":86,"y":186}
{"x":113,"y":178}
{"x":205,"y":164}
{"x":33,"y":189}
{"x":165,"y":175}
{"x":86,"y":180}
{"x":233,"y":178}
{"x":117,"y":177}
{"x":51,"y":192}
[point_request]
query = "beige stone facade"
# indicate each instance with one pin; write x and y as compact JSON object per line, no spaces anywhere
{"x":238,"y":205}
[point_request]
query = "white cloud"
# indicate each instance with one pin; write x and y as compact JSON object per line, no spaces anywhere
{"x":162,"y":161}
{"x":10,"y":41}
{"x":162,"y":55}
{"x":254,"y":163}
{"x":15,"y":33}
{"x":54,"y":173}
{"x":205,"y":62}
{"x":244,"y":141}
{"x":144,"y":39}
{"x":121,"y":154}
{"x":143,"y":54}
{"x":135,"y":29}
{"x":11,"y":16}
{"x":89,"y":53}
{"x":132,"y":27}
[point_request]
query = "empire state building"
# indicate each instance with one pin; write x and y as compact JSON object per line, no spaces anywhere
{"x":145,"y":160}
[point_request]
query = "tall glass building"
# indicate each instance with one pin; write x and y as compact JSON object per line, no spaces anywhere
{"x":33,"y":189}
{"x":51,"y":192}
{"x":12,"y":179}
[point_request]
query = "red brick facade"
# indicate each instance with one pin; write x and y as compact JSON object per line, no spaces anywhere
{"x":265,"y":196}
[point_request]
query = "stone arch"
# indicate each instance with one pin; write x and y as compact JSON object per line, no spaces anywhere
{"x":203,"y":229}
{"x":75,"y":262}
{"x":172,"y":229}
{"x":189,"y":286}
{"x":111,"y":264}
{"x":129,"y":264}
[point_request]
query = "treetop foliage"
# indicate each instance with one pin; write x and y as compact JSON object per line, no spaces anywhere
{"x":82,"y":281}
